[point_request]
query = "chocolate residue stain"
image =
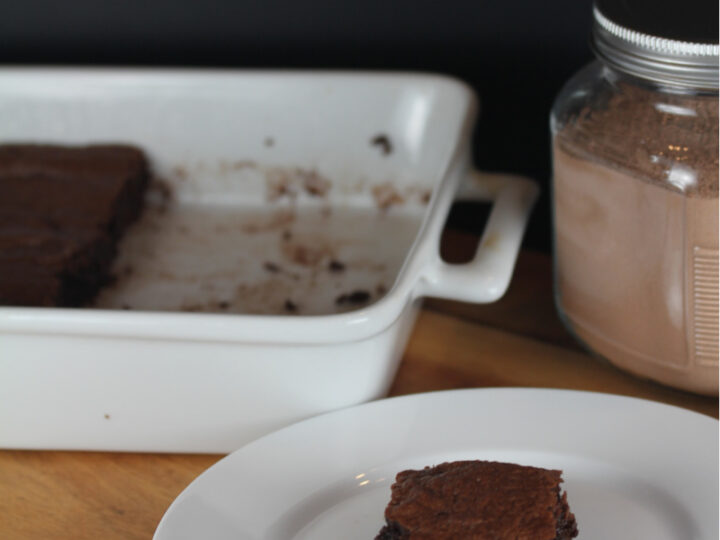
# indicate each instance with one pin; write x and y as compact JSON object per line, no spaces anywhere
{"x":356,"y":297}
{"x":208,"y":286}
{"x":305,"y":255}
{"x":269,"y":142}
{"x":314,"y":184}
{"x":336,"y":266}
{"x":369,"y":265}
{"x":289,"y":182}
{"x":417,"y":193}
{"x":383,"y":142}
{"x":279,"y":184}
{"x":244,"y":164}
{"x":290,"y":306}
{"x":386,"y":195}
{"x":491,"y":240}
{"x":106,"y":416}
{"x":264,"y":297}
{"x":279,"y":220}
{"x":180,"y":172}
{"x":271,"y":267}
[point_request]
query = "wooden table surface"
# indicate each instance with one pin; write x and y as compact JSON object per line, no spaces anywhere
{"x":517,"y":341}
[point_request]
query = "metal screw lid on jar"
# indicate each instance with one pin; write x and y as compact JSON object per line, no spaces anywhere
{"x":665,"y":41}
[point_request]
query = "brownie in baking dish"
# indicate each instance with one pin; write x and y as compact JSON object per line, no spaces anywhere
{"x":62,"y":212}
{"x":478,"y":500}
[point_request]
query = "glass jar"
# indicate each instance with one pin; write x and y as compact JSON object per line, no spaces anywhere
{"x":635,"y":201}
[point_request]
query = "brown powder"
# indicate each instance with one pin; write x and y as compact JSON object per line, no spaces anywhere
{"x":636,"y":218}
{"x":647,"y":134}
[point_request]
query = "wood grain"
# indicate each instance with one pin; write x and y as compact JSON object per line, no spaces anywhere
{"x":446,"y":353}
{"x":90,"y":495}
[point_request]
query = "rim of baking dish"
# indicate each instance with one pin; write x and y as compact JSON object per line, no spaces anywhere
{"x":273,"y":329}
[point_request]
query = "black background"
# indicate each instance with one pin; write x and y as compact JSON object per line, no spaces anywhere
{"x":515,"y":53}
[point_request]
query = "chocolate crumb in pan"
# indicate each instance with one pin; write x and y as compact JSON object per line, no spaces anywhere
{"x":355,"y":297}
{"x":386,"y":195}
{"x":271,"y":267}
{"x":314,"y":183}
{"x":383,"y":142}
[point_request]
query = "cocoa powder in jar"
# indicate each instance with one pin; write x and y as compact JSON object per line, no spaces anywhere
{"x":636,"y":232}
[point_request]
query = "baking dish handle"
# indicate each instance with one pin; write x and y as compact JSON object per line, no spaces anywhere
{"x":487,"y":276}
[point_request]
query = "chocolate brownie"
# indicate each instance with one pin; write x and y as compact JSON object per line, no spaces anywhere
{"x":62,"y":212}
{"x":479,"y":500}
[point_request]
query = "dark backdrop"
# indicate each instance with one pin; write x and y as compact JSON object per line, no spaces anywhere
{"x":515,"y":53}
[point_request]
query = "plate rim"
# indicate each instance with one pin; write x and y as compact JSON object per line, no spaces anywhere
{"x":389,"y":402}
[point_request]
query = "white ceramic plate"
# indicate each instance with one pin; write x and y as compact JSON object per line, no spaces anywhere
{"x":633,"y":469}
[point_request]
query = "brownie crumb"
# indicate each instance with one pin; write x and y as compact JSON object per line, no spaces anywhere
{"x":315,"y":185}
{"x":107,"y":416}
{"x":278,"y":185}
{"x":271,"y":267}
{"x":383,"y":142}
{"x":290,"y":306}
{"x":386,"y":195}
{"x":336,"y":266}
{"x":355,"y":297}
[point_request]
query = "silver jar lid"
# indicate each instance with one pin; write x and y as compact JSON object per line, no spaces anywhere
{"x":666,"y":61}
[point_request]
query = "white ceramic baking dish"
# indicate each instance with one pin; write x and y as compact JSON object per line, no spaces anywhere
{"x":365,"y":152}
